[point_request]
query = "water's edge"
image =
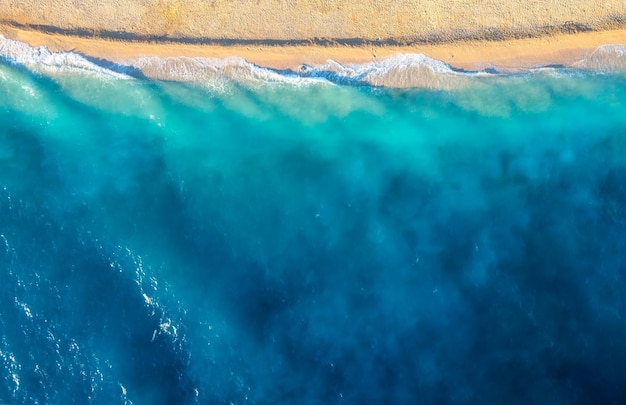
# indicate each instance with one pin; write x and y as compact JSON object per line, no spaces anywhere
{"x":398,"y":71}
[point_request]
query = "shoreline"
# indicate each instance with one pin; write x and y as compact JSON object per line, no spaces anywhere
{"x":561,"y":49}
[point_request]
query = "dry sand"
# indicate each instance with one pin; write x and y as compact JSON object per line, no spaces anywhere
{"x":468,"y":34}
{"x":307,"y":19}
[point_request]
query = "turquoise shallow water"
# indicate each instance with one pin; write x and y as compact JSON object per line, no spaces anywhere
{"x":165,"y":242}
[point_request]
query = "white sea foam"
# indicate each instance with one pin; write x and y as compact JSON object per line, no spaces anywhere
{"x":212,"y":70}
{"x":25,"y":309}
{"x":148,"y":288}
{"x":402,"y":70}
{"x":42,"y":60}
{"x":609,"y":58}
{"x":5,"y":242}
{"x":11,"y":365}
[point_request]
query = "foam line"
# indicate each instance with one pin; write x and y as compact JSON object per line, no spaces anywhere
{"x":402,"y":70}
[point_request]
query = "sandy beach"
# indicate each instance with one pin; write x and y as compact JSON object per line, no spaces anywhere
{"x":281,"y":34}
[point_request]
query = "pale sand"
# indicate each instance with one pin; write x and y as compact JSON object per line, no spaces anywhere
{"x":306,"y":19}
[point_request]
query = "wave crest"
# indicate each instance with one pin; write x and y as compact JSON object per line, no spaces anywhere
{"x":402,"y":70}
{"x":399,"y":71}
{"x":42,"y":60}
{"x":208,"y":69}
{"x":609,"y":58}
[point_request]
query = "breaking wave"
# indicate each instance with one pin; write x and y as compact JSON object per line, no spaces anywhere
{"x":608,"y":58}
{"x":398,"y":71}
{"x":42,"y":60}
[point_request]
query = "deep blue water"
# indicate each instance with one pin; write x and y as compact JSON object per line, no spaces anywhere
{"x":172,"y":243}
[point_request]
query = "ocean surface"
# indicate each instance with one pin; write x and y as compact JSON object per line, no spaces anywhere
{"x":311,"y":237}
